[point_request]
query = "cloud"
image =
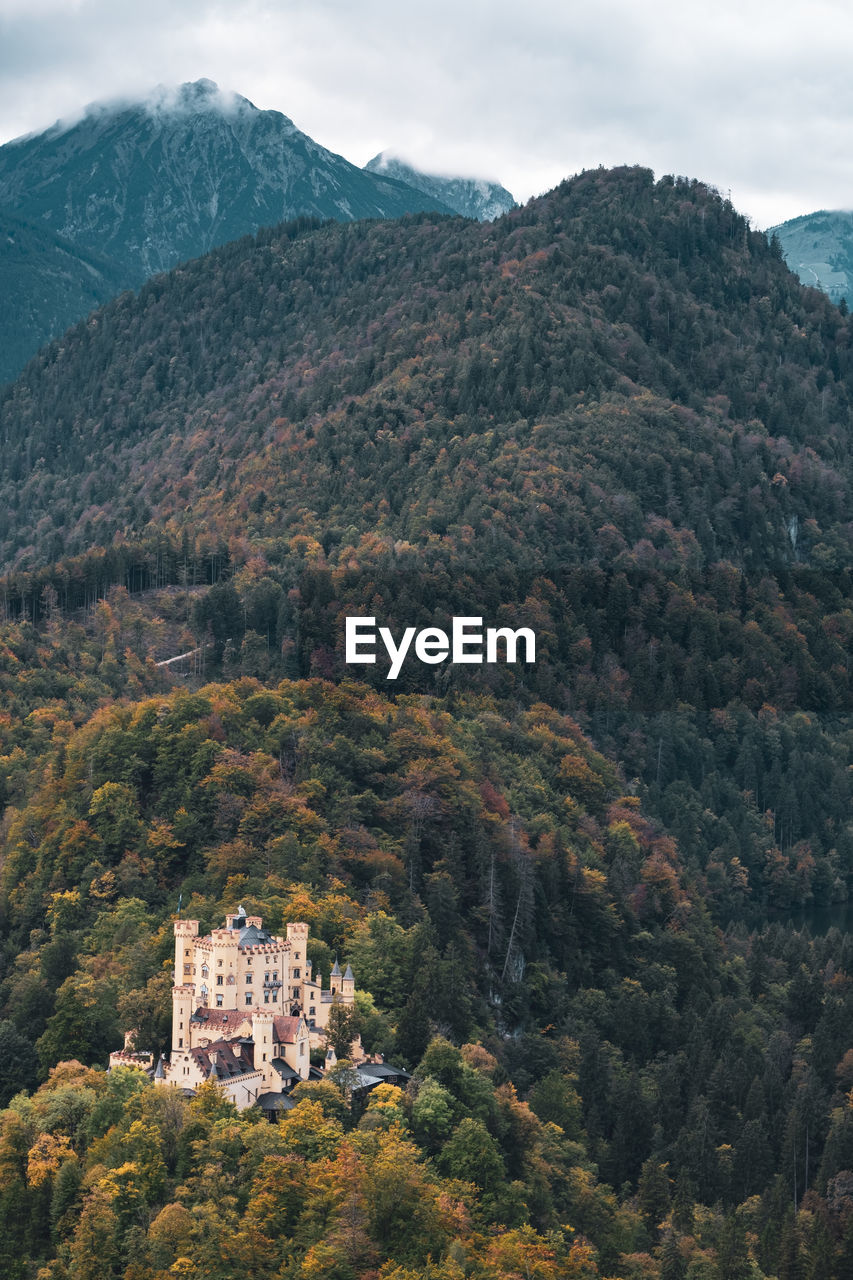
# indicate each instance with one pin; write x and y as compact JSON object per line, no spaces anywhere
{"x":747,"y":96}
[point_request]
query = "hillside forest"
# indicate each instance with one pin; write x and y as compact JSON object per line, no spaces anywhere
{"x":596,"y":906}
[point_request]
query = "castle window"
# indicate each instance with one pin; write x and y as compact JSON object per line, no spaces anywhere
{"x":186,"y":953}
{"x":204,"y":992}
{"x":219,"y":962}
{"x":248,"y":997}
{"x":248,"y":979}
{"x":296,"y":991}
{"x":219,"y":980}
{"x":180,"y":1042}
{"x":188,"y":968}
{"x":205,"y":972}
{"x":302,"y":1049}
{"x":312,"y":1010}
{"x":219,"y":1002}
{"x":266,"y":997}
{"x":296,"y":973}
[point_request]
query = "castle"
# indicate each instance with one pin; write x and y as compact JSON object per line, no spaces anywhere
{"x":246,"y":1010}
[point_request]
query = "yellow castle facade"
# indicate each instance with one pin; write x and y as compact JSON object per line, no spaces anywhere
{"x":246,"y":1009}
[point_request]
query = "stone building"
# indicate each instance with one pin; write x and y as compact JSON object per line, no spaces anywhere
{"x":246,"y":1009}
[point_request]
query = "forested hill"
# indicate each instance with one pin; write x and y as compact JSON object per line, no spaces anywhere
{"x":614,"y":415}
{"x":615,"y":353}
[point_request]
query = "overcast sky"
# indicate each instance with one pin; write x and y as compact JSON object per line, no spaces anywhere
{"x":752,"y":97}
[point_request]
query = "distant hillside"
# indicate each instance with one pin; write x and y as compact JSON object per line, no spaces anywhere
{"x":472,"y":197}
{"x":616,"y":327}
{"x":819,"y":247}
{"x":46,"y":284}
{"x":146,"y":185}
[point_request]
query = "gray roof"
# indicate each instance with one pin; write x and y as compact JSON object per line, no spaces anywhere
{"x":160,"y":1074}
{"x":275,"y":1102}
{"x":252,"y":936}
{"x":336,"y":971}
{"x":365,"y":1080}
{"x":349,"y":973}
{"x":384,"y":1070}
{"x":284,"y":1069}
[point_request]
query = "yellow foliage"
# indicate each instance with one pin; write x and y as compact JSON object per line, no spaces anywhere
{"x":46,"y":1155}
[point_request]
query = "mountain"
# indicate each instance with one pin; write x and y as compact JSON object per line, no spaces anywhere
{"x":819,"y":247}
{"x":328,"y":358}
{"x":472,"y":197}
{"x":146,"y":185}
{"x":47,"y":284}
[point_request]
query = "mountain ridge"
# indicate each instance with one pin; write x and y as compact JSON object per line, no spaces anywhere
{"x":146,"y":185}
{"x":472,"y":197}
{"x":522,"y":268}
{"x":111,"y":180}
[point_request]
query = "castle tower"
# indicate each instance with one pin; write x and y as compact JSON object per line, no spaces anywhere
{"x":262,"y":1027}
{"x":336,"y":977}
{"x":186,"y":931}
{"x":300,"y":965}
{"x":182,"y":1008}
{"x":297,"y":936}
{"x":348,"y":985}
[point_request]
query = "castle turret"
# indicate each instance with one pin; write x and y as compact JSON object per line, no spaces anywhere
{"x":348,"y":984}
{"x":262,"y":1029}
{"x":182,"y":1008}
{"x":186,"y":931}
{"x":336,"y":977}
{"x":300,"y":965}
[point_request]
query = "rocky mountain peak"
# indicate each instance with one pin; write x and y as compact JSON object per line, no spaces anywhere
{"x":472,"y":197}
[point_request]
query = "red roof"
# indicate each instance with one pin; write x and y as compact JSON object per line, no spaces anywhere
{"x":219,"y":1019}
{"x":285,"y":1029}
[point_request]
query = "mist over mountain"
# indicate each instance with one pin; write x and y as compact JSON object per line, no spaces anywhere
{"x":472,"y":197}
{"x":145,"y":185}
{"x":819,"y":247}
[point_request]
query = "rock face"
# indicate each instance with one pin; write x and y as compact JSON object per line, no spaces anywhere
{"x":472,"y":197}
{"x":147,"y":185}
{"x":819,"y":247}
